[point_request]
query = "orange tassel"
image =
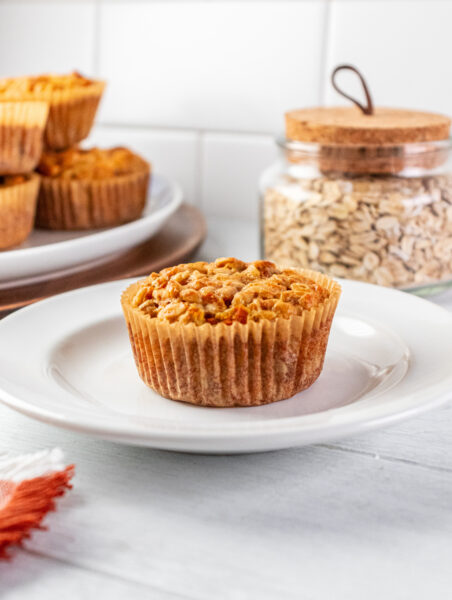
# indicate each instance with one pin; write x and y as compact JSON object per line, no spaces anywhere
{"x":24,"y":505}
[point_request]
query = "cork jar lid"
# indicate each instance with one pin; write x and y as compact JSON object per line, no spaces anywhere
{"x":362,"y":139}
{"x":363,"y":124}
{"x":350,"y":126}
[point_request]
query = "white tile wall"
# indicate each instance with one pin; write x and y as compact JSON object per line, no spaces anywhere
{"x":198,"y":86}
{"x":36,"y":37}
{"x":231,"y":166}
{"x":216,"y":65}
{"x":402,"y":46}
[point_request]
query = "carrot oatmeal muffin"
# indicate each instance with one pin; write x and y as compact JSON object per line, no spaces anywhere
{"x":85,"y":189}
{"x":18,"y":195}
{"x":73,"y":100}
{"x":230,"y":333}
{"x":21,"y":133}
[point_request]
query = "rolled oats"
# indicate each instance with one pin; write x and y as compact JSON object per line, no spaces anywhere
{"x":384,"y":229}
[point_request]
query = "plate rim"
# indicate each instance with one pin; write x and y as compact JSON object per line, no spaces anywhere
{"x":151,"y":436}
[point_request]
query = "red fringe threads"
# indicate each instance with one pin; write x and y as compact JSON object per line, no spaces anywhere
{"x":24,"y":505}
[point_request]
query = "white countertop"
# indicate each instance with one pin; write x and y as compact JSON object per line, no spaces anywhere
{"x":365,"y":518}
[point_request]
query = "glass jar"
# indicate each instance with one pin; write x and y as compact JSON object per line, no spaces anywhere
{"x":380,"y":214}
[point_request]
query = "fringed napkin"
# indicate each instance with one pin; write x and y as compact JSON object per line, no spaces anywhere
{"x":29,"y":485}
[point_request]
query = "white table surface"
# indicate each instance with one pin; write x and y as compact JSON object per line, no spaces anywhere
{"x":366,"y":518}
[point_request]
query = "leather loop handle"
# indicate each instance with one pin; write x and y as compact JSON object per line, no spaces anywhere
{"x":367,"y":110}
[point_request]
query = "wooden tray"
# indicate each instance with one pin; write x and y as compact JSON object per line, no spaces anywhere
{"x":174,"y":243}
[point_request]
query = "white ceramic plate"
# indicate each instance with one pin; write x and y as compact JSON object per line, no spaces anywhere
{"x":67,"y":361}
{"x":47,"y":251}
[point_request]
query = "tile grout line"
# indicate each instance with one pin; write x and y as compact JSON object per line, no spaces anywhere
{"x":97,"y":36}
{"x":325,"y":50}
{"x":153,"y":127}
{"x":200,"y":174}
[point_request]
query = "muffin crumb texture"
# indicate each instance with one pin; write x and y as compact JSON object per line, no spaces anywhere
{"x":227,"y":291}
{"x":18,"y":87}
{"x":93,"y":163}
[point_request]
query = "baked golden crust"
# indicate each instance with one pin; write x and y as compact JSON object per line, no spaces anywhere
{"x":226,"y":291}
{"x":232,"y":363}
{"x":95,"y":163}
{"x":37,"y":86}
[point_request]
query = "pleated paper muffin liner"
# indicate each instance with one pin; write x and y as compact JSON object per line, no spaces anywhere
{"x":71,"y":115}
{"x":17,"y":211}
{"x":88,"y":204}
{"x":232,"y":365}
{"x":21,"y":135}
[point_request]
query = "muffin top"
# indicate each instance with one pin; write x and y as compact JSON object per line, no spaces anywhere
{"x":95,"y":163}
{"x":227,"y":291}
{"x":26,"y":87}
{"x":10,"y":180}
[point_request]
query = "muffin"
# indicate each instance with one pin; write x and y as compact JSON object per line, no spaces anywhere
{"x":18,"y":195}
{"x":230,"y":333}
{"x":21,"y":133}
{"x":86,"y":189}
{"x":72,"y":99}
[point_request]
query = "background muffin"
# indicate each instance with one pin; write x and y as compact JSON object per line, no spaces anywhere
{"x":21,"y":135}
{"x":230,"y":333}
{"x":73,"y":101}
{"x":84,"y":189}
{"x":18,"y":195}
